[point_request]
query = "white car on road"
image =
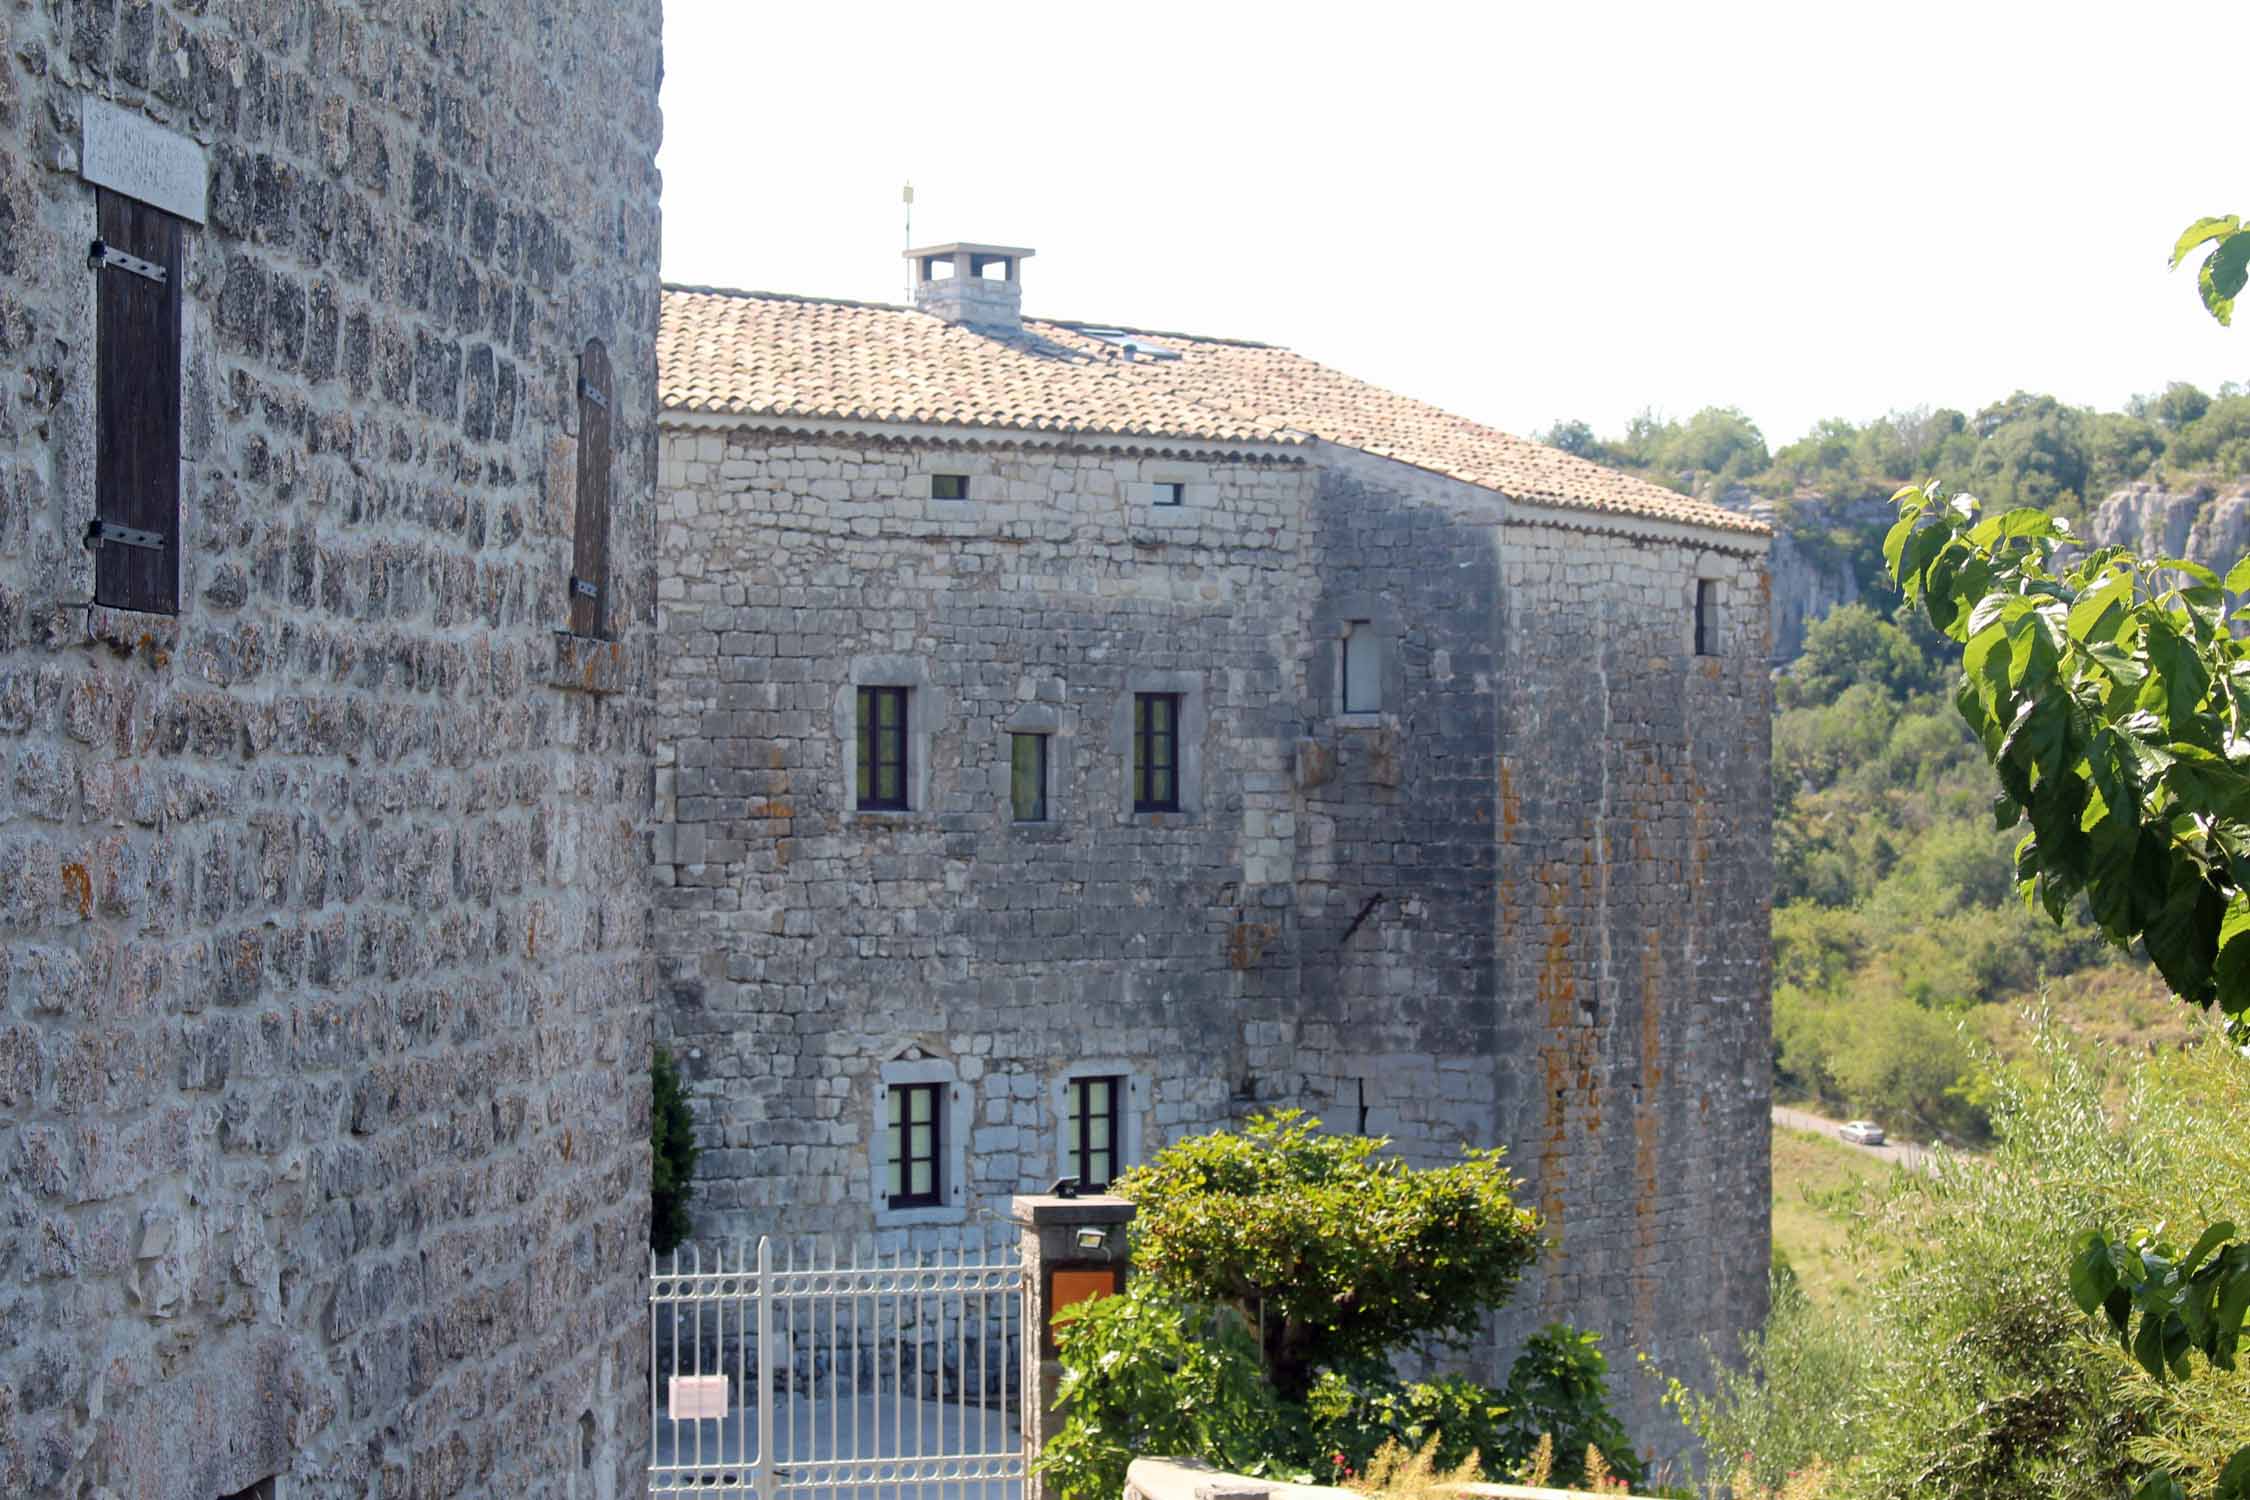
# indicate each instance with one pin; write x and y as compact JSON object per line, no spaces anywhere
{"x":1862,"y":1133}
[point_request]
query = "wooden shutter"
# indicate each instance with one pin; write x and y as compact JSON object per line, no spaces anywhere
{"x":136,"y":532}
{"x":589,"y":567}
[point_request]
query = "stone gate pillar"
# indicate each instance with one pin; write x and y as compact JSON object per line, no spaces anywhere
{"x":1073,"y":1249}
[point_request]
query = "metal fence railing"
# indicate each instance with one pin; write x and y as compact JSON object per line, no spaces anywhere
{"x":787,"y":1372}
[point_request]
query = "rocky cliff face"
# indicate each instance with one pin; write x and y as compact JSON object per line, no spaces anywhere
{"x":1811,"y":574}
{"x":2207,"y":524}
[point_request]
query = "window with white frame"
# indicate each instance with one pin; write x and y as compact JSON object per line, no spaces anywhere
{"x":916,"y":1130}
{"x":1097,"y":1110}
{"x":1093,"y":1107}
{"x":916,"y":1158}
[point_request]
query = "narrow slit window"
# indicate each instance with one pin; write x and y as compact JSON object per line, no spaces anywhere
{"x":1171,"y":494}
{"x":882,"y":748}
{"x":135,"y":534}
{"x":1027,"y":777}
{"x":949,"y":486}
{"x":1706,"y":617}
{"x":915,"y":1136}
{"x":1156,"y":752}
{"x":1090,"y":1131}
{"x":1363,"y":669}
{"x":589,"y":557}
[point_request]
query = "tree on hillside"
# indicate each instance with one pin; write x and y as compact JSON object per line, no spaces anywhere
{"x":1852,"y":645}
{"x":2218,"y":440}
{"x":2179,"y":405}
{"x":2032,"y":452}
{"x":1572,"y":436}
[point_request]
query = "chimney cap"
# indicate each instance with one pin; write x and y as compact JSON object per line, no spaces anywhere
{"x":965,"y":247}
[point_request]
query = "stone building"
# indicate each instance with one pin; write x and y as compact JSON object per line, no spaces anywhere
{"x":325,"y":976}
{"x":1072,"y":737}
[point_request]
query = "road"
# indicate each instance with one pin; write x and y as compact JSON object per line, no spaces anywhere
{"x":1905,"y":1153}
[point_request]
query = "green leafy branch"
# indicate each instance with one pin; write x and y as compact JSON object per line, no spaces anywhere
{"x":2225,"y":269}
{"x":2114,"y":704}
{"x":2186,"y":1304}
{"x":2113,"y":700}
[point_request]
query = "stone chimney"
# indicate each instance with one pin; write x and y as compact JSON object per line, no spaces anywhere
{"x":978,"y":286}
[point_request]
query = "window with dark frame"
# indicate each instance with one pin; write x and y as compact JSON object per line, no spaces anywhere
{"x":1171,"y":494}
{"x":135,"y":534}
{"x":589,"y":554}
{"x":882,"y":748}
{"x":1156,"y":752}
{"x":1027,"y":777}
{"x":1706,"y":617}
{"x":917,"y":1143}
{"x":1363,"y":672}
{"x":1090,"y":1138}
{"x":949,"y":486}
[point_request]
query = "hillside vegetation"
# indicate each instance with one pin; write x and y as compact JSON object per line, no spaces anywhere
{"x":1963,"y":1368}
{"x":2027,"y":450}
{"x":1904,"y":957}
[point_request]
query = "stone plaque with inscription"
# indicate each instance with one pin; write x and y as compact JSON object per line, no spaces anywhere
{"x":131,"y":154}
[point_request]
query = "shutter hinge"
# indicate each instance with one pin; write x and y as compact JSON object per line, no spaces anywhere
{"x":587,"y":392}
{"x":101,"y":255}
{"x":98,"y":532}
{"x":584,"y":588}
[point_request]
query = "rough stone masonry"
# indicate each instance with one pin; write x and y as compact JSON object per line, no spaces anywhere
{"x":324,"y":973}
{"x":1523,"y":901}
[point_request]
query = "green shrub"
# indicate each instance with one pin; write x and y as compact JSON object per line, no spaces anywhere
{"x":671,"y":1139}
{"x":1339,"y":1255}
{"x":1559,"y":1384}
{"x":1143,"y":1375}
{"x":1338,"y":1252}
{"x":1793,"y":1399}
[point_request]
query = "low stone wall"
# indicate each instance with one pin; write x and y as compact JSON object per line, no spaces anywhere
{"x":1186,"y":1479}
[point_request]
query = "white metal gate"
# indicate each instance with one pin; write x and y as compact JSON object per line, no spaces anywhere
{"x":780,"y":1376}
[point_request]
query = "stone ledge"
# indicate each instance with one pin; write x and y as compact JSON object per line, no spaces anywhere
{"x":1191,"y":1479}
{"x":132,"y":632}
{"x":585,"y":664}
{"x":1040,"y":1209}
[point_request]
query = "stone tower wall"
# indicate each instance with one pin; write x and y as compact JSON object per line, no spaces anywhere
{"x":324,"y":968}
{"x":1635,"y":882}
{"x":1396,"y":844}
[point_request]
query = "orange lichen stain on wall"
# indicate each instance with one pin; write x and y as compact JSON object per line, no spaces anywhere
{"x":78,"y":887}
{"x":1248,"y":943}
{"x":1645,"y":1131}
{"x":1557,"y":993}
{"x":1511,"y":802}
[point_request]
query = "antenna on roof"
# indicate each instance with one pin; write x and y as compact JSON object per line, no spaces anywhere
{"x":907,"y":197}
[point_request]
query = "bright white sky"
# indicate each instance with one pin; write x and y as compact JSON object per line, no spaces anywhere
{"x":1518,"y":212}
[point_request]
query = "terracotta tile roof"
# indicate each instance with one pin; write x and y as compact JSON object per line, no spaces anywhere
{"x":763,"y":354}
